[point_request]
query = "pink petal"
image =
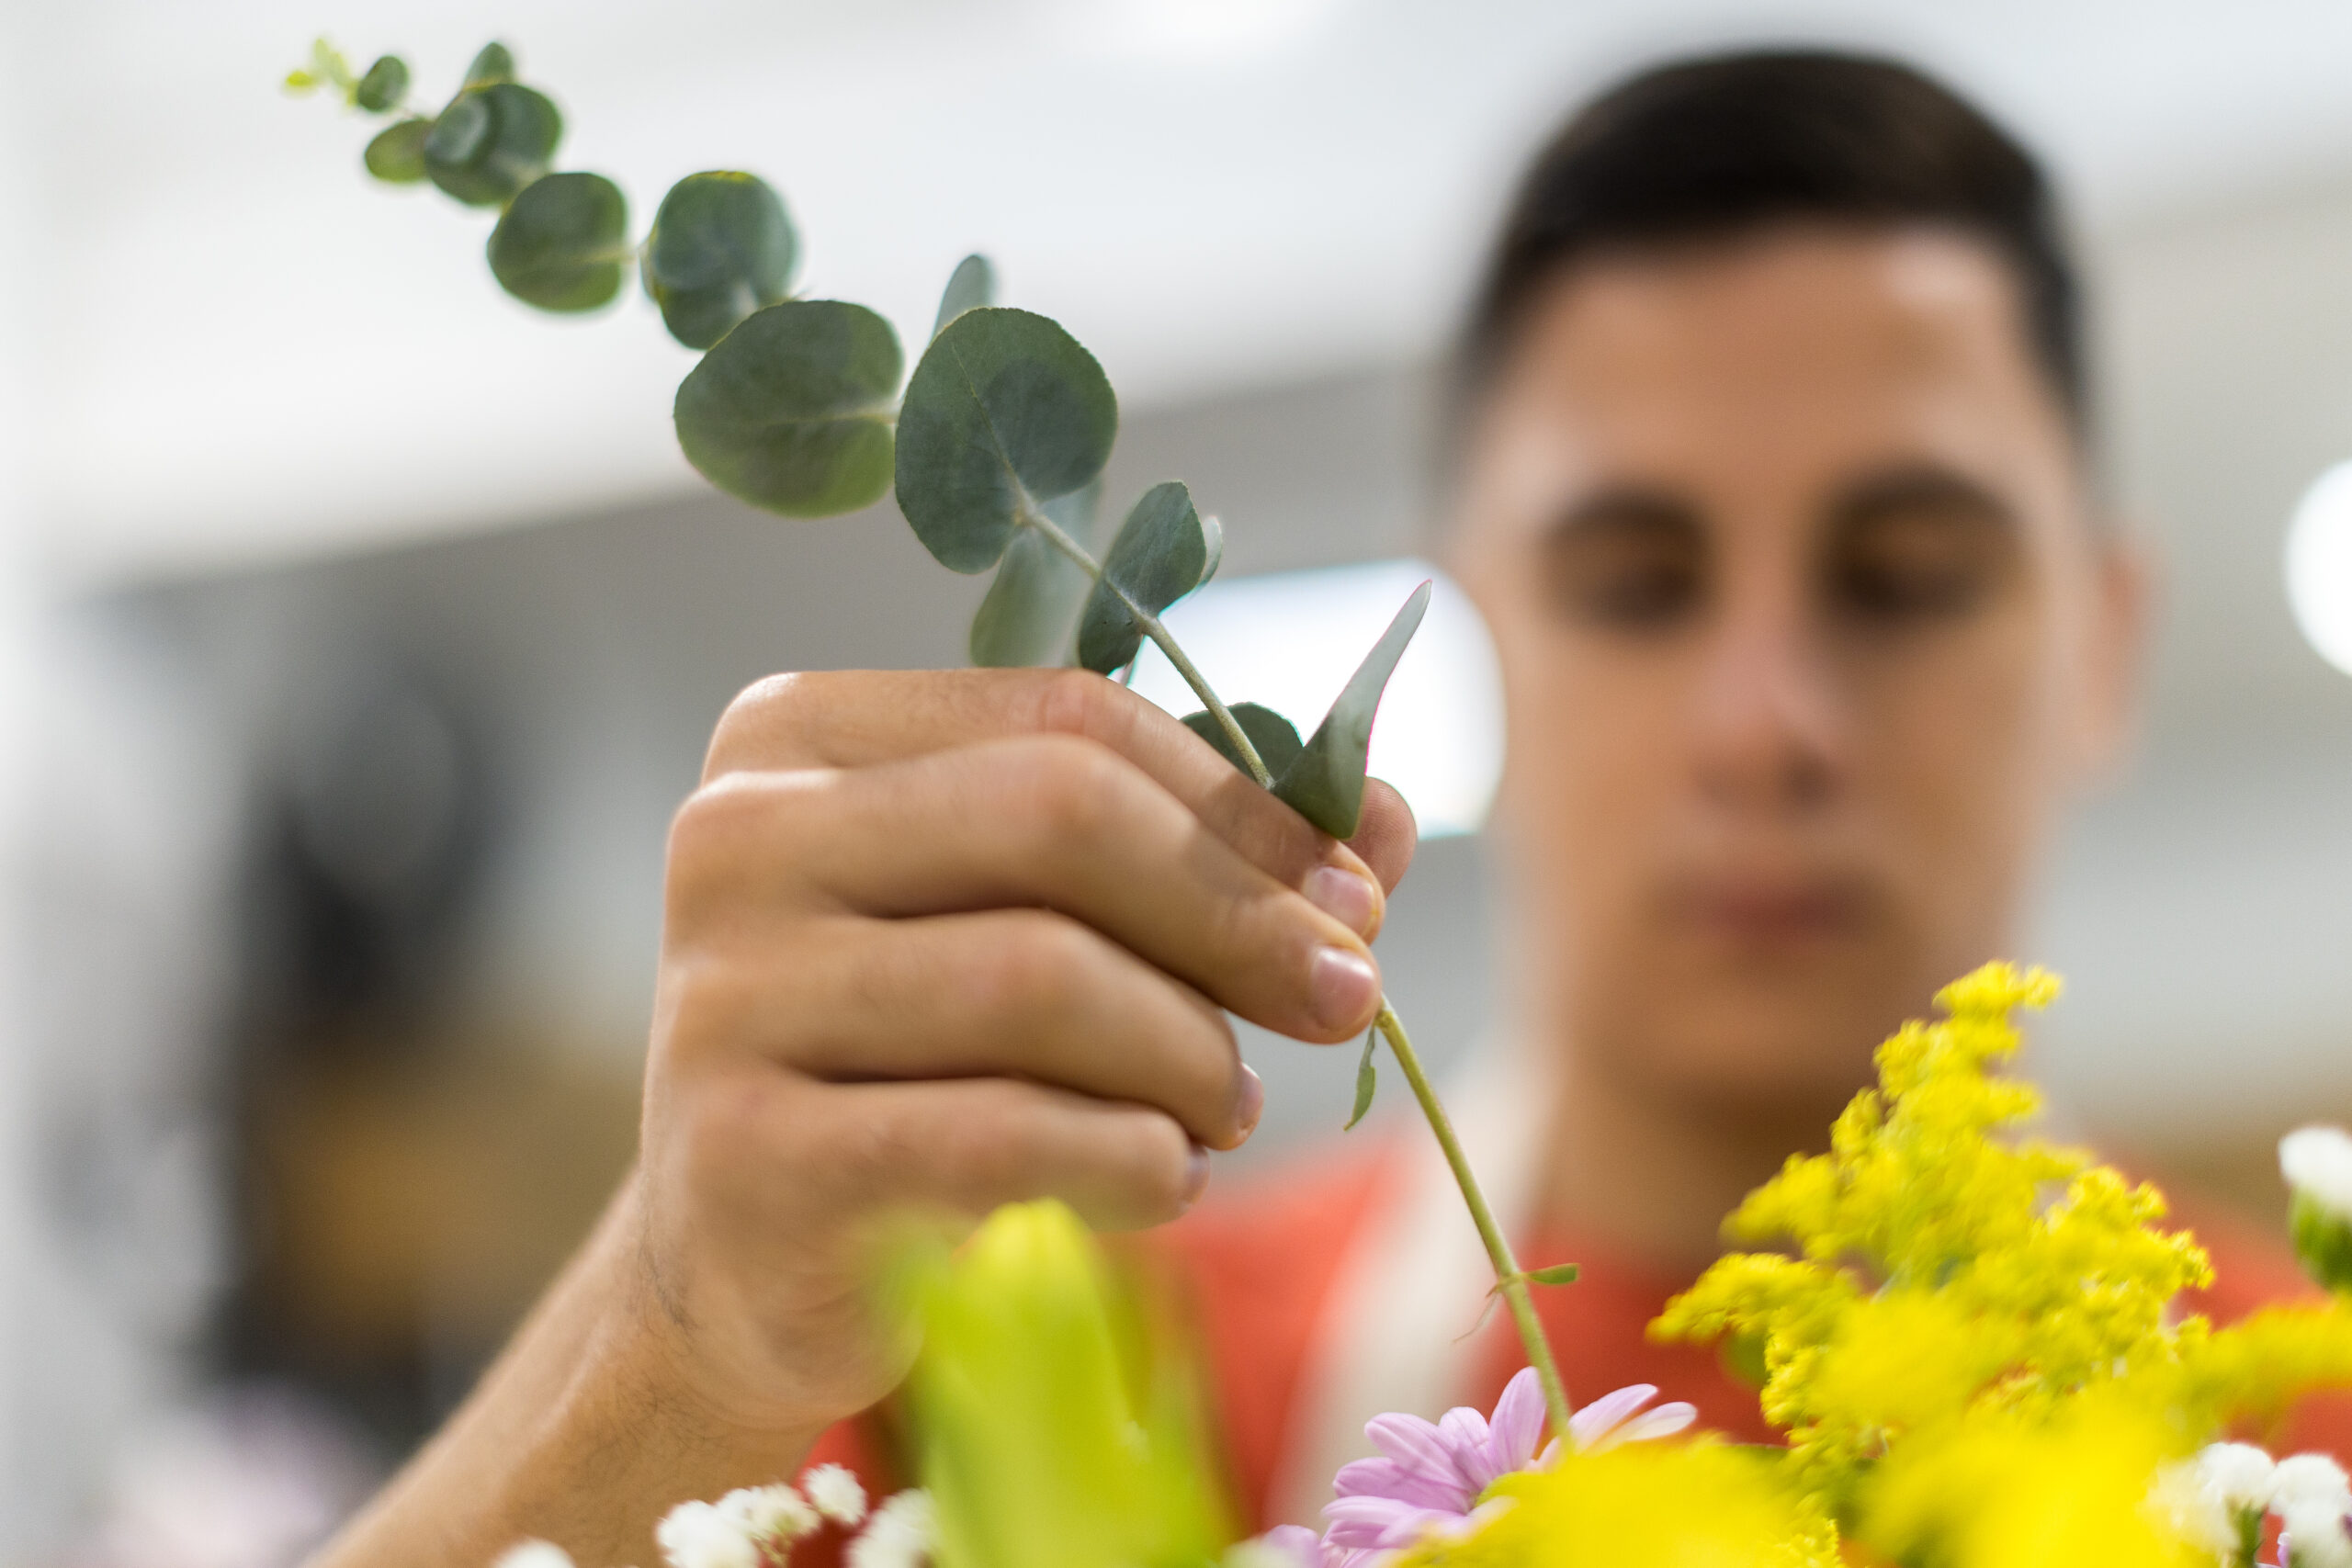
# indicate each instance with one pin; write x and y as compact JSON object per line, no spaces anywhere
{"x":1662,"y":1422}
{"x":1415,"y":1524}
{"x":1416,"y":1446}
{"x":1386,"y":1478}
{"x":1464,"y":1432}
{"x":1597,"y":1420}
{"x":1517,"y":1425}
{"x":1362,"y":1521}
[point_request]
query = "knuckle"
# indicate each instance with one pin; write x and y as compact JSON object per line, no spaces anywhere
{"x":771,"y":711}
{"x":1080,"y":703}
{"x":1039,"y":969}
{"x":1072,"y":788}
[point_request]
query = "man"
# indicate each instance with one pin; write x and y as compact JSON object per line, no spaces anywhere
{"x":1772,"y":483}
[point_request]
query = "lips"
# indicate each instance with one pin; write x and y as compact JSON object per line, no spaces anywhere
{"x":1766,"y":911}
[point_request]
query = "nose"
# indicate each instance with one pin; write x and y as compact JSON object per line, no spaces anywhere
{"x":1768,"y":737}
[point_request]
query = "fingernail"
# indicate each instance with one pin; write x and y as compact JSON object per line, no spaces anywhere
{"x":1342,"y":894}
{"x":1341,"y":986}
{"x":1253,"y":1101}
{"x":1196,"y":1175}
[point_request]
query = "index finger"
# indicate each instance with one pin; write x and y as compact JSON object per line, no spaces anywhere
{"x":852,"y":718}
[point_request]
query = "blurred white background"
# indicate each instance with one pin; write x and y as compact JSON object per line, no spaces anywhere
{"x":339,"y":594}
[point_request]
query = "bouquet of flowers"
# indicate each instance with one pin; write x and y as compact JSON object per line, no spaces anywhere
{"x":1968,"y":1336}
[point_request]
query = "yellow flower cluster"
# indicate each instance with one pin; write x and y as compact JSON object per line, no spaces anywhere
{"x":1936,"y":1272}
{"x":1698,"y":1504}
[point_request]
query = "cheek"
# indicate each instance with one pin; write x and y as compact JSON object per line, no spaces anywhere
{"x":1957,"y":748}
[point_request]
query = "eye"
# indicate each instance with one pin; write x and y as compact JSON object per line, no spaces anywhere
{"x":1628,"y":573}
{"x":1918,"y":565}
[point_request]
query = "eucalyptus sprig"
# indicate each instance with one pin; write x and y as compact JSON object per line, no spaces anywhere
{"x":995,"y":449}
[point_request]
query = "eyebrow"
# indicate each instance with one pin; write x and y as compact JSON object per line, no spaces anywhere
{"x":1627,"y":509}
{"x":1915,"y":488}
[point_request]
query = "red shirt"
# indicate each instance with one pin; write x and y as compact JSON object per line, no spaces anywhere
{"x":1259,"y":1261}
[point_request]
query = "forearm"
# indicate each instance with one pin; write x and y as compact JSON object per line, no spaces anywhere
{"x":580,"y":1434}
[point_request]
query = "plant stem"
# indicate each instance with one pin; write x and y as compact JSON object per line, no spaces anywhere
{"x":1509,"y":1278}
{"x":1150,"y":625}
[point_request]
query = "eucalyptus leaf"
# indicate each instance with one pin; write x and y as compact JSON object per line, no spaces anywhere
{"x":1326,"y":784}
{"x":1005,"y":411}
{"x":396,"y":155}
{"x":1555,"y":1274}
{"x":1213,"y":543}
{"x":722,"y":246}
{"x":1161,"y":554}
{"x":494,"y":64}
{"x":562,"y":243}
{"x":969,"y":286}
{"x":791,"y":412}
{"x":1030,"y":607}
{"x":384,"y":85}
{"x":491,"y":141}
{"x":1274,"y":736}
{"x":1367,"y":1082}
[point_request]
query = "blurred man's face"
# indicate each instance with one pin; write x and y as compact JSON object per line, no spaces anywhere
{"x":1805,"y":634}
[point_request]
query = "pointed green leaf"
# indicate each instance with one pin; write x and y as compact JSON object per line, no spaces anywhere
{"x":1275,"y":736}
{"x":1367,"y":1082}
{"x":396,"y":155}
{"x":722,"y":246}
{"x":562,"y":243}
{"x":969,"y":286}
{"x":386,"y":83}
{"x":1558,"y":1274}
{"x":494,"y":64}
{"x":1326,"y":784}
{"x":1161,"y":555}
{"x":491,"y":141}
{"x":1030,"y":607}
{"x":1005,"y":411}
{"x":791,"y":412}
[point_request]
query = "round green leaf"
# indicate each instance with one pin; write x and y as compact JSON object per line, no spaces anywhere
{"x":384,"y":86}
{"x":1161,"y":554}
{"x":1031,"y":606}
{"x":397,"y":154}
{"x":562,"y":244}
{"x":722,"y":246}
{"x":1005,"y":411}
{"x":791,"y":411}
{"x":1274,"y":738}
{"x":969,"y":286}
{"x":491,"y":141}
{"x":494,"y":64}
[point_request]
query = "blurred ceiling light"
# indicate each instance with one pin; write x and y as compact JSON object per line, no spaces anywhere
{"x":2319,"y":565}
{"x":1291,"y":640}
{"x":1205,"y":31}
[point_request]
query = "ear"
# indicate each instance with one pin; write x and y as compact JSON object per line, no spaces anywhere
{"x":2125,"y":582}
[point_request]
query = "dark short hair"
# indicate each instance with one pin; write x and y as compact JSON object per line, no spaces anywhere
{"x":1709,"y":149}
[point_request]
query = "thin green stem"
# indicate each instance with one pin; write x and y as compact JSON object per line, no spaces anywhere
{"x":1510,"y":1280}
{"x":1508,"y":1277}
{"x":1150,"y":625}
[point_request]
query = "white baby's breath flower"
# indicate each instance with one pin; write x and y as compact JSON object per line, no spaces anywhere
{"x":2318,"y":1161}
{"x":2306,"y":1479}
{"x":533,"y":1555}
{"x":2239,"y":1476}
{"x":698,"y":1535}
{"x":897,"y":1536}
{"x":835,"y":1493}
{"x":2316,"y":1533}
{"x":774,"y":1515}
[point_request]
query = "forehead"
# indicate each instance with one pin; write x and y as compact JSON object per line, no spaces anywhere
{"x":1781,"y":359}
